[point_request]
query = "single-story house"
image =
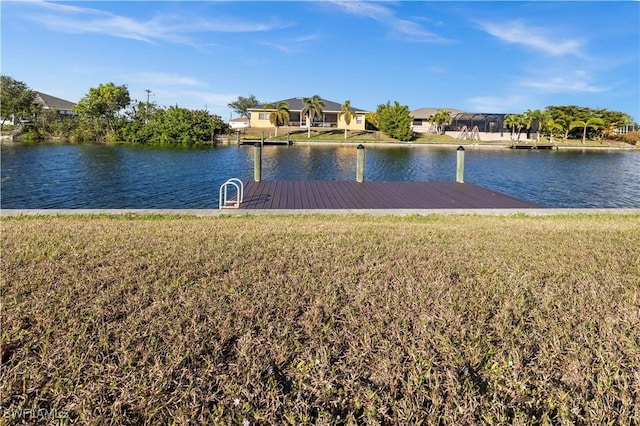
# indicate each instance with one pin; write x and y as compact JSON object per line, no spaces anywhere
{"x":330,"y":117}
{"x":64,"y":107}
{"x":484,"y":121}
{"x":47,"y":102}
{"x":239,"y":123}
{"x":422,"y":118}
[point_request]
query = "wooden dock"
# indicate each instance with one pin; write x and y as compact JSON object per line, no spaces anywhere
{"x":265,"y":142}
{"x":374,"y":195}
{"x":533,"y":146}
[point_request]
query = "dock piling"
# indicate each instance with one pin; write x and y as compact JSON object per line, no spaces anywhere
{"x":257,"y":162}
{"x":460,"y":165}
{"x":360,"y":163}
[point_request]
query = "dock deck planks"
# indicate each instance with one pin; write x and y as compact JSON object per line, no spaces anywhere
{"x":374,"y":195}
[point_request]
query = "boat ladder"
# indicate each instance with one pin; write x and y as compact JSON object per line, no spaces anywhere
{"x":466,"y":135}
{"x":227,"y":202}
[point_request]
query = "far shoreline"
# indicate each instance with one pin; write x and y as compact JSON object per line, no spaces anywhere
{"x":490,"y":146}
{"x":486,"y":145}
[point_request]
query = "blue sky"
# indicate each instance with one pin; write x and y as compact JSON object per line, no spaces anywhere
{"x":475,"y":56}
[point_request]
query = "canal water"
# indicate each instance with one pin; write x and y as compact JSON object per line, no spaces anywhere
{"x":40,"y":176}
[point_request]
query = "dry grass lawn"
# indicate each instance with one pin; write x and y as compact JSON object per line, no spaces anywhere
{"x":321,"y":320}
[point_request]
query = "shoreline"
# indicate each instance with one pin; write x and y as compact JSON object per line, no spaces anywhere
{"x":497,"y":146}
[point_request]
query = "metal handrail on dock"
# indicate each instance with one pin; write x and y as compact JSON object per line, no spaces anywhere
{"x":224,"y":202}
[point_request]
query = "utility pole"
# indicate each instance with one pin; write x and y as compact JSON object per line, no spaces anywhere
{"x":146,"y":112}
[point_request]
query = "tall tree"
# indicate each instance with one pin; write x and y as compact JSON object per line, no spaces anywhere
{"x":16,"y":99}
{"x":101,"y":107}
{"x":527,"y":118}
{"x":571,"y":114}
{"x":313,"y":107}
{"x":179,"y":126}
{"x":593,"y":122}
{"x":280,"y":114}
{"x":613,"y":119}
{"x":535,"y":116}
{"x":395,"y":120}
{"x":242,"y":104}
{"x":347,"y":113}
{"x":561,"y":119}
{"x":546,"y":125}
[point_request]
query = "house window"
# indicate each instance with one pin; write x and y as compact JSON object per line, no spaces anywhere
{"x":263,"y":116}
{"x":359,"y":119}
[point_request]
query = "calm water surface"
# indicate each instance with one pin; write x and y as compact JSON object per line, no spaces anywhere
{"x":97,"y":176}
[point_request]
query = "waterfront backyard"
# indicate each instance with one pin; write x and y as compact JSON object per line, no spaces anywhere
{"x":322,"y":319}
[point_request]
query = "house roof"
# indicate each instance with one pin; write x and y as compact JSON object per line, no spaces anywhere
{"x":295,"y":104}
{"x":51,"y":102}
{"x":239,"y":120}
{"x":426,"y":113}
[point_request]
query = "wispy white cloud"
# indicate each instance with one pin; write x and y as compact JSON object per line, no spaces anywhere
{"x":409,"y":29}
{"x":292,"y":44}
{"x":367,"y":9}
{"x":57,"y":6}
{"x":518,"y":32}
{"x":170,"y":27}
{"x":286,"y":48}
{"x":573,"y":82}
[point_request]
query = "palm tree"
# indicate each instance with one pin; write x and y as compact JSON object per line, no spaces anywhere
{"x":593,"y":122}
{"x":513,"y":121}
{"x":553,"y":128}
{"x":280,"y":114}
{"x":347,"y":113}
{"x":562,"y":120}
{"x":312,"y":107}
{"x":441,"y":118}
{"x":543,"y":118}
{"x":527,"y":118}
{"x":546,"y":125}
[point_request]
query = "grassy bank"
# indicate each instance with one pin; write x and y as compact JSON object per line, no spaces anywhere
{"x":322,"y":319}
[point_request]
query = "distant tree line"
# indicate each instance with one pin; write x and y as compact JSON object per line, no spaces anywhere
{"x":108,"y":114}
{"x":569,"y":122}
{"x":394,"y":119}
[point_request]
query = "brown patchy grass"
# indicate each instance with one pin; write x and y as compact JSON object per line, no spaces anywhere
{"x":322,"y":320}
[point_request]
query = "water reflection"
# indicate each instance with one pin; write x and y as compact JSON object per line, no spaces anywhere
{"x":410,"y":164}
